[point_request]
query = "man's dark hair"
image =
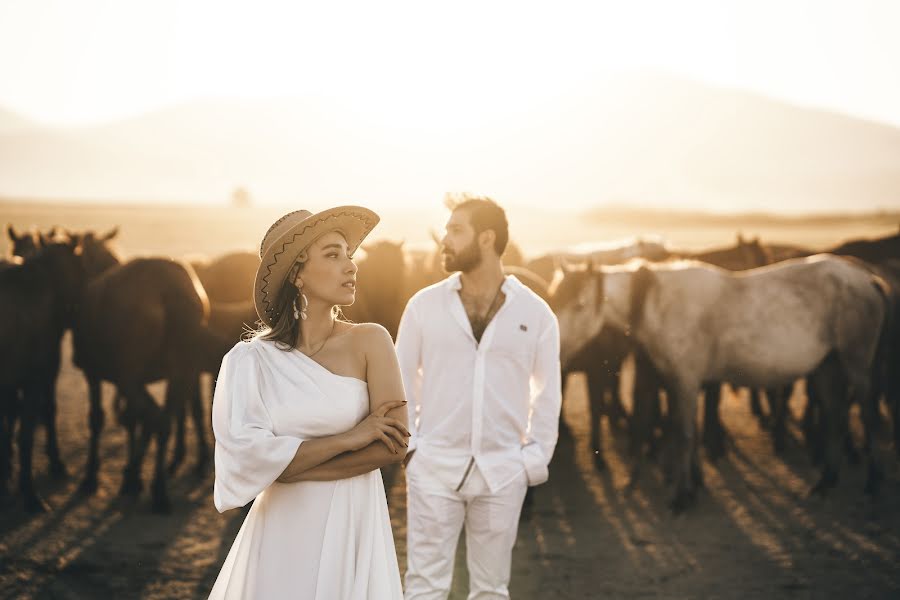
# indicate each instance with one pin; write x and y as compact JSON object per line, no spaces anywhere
{"x":484,"y":214}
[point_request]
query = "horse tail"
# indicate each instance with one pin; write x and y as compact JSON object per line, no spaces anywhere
{"x":198,"y":287}
{"x":887,"y":339}
{"x":642,"y":281}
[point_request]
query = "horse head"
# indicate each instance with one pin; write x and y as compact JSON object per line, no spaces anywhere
{"x":65,"y":262}
{"x":577,"y":298}
{"x":97,"y":253}
{"x":753,"y":252}
{"x":24,"y":245}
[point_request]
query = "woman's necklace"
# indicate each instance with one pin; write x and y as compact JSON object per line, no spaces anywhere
{"x":325,"y":341}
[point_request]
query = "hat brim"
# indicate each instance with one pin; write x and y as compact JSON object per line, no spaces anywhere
{"x":354,"y":222}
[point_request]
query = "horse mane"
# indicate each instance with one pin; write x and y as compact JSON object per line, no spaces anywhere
{"x":642,"y":280}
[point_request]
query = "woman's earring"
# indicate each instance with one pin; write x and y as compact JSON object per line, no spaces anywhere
{"x":304,"y":303}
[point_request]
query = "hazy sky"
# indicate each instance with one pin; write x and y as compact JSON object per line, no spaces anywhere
{"x":82,"y":61}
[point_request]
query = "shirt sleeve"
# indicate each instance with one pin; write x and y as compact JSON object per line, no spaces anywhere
{"x":249,"y":457}
{"x":409,"y":355}
{"x":546,"y":400}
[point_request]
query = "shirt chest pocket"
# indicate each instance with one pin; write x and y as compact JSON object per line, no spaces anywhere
{"x":516,"y":345}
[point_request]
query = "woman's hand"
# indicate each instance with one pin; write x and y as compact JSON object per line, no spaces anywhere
{"x":377,"y":427}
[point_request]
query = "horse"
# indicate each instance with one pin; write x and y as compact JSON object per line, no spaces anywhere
{"x":601,"y":253}
{"x":745,"y":254}
{"x":871,"y":250}
{"x":380,"y":286}
{"x":24,"y":246}
{"x":27,"y":244}
{"x":601,"y":360}
{"x":141,"y":321}
{"x":228,"y":278}
{"x":37,"y":300}
{"x":820,"y":316}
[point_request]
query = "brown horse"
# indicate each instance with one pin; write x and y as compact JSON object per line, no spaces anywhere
{"x":871,"y":250}
{"x":23,"y":246}
{"x":228,"y":278}
{"x":37,"y":300}
{"x":142,"y":321}
{"x":381,"y":286}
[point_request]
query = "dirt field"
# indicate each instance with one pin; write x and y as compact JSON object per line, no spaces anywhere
{"x":753,"y":534}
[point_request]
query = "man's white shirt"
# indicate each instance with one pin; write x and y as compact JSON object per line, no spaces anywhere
{"x":493,"y":403}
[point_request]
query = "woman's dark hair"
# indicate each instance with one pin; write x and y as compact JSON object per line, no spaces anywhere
{"x":285,"y":329}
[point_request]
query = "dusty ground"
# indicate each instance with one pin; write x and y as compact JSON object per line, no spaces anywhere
{"x":753,"y":534}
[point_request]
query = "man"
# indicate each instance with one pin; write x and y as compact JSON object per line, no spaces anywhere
{"x":479,"y":355}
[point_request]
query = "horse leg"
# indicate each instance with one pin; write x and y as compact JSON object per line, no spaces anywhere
{"x":830,"y":387}
{"x":596,"y":393}
{"x":778,"y":400}
{"x":684,"y":409}
{"x":868,"y":393}
{"x":617,"y":412}
{"x":31,"y":408}
{"x":893,"y":398}
{"x":756,"y":405}
{"x":199,"y":420}
{"x":141,"y":424}
{"x":8,"y":397}
{"x":96,"y":418}
{"x":812,"y":422}
{"x":57,"y":466}
{"x":644,"y":414}
{"x":713,"y":432}
{"x":176,"y":392}
{"x":179,"y":415}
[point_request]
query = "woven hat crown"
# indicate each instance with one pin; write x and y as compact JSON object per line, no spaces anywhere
{"x":280,"y":226}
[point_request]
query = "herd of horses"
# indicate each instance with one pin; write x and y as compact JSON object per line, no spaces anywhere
{"x":748,"y":315}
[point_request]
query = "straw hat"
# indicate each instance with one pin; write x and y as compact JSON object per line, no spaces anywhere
{"x":293,"y":233}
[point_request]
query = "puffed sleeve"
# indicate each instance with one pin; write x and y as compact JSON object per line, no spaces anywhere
{"x":249,"y":457}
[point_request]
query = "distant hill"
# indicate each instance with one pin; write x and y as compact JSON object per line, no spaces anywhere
{"x":11,"y":122}
{"x":648,"y":139}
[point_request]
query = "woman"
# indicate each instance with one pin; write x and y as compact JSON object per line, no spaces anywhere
{"x":304,"y":415}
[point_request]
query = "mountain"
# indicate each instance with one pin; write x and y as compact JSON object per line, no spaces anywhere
{"x":11,"y":122}
{"x":648,"y":139}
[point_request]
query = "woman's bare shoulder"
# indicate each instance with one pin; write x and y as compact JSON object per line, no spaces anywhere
{"x":370,"y":336}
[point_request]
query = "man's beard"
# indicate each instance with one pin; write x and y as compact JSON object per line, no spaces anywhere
{"x":465,"y":260}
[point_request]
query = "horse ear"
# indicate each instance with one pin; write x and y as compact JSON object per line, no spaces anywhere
{"x":11,"y":232}
{"x":434,"y":237}
{"x":740,"y":238}
{"x":111,"y":234}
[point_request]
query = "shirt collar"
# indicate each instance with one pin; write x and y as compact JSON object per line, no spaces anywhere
{"x":510,"y":286}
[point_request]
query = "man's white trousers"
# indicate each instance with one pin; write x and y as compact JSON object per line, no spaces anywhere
{"x":435,"y":515}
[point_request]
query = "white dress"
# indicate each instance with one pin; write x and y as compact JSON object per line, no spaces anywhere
{"x":329,"y":540}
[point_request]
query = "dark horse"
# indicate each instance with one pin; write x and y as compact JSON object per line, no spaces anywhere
{"x":37,"y":302}
{"x":142,"y":321}
{"x":23,"y":246}
{"x":872,"y":251}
